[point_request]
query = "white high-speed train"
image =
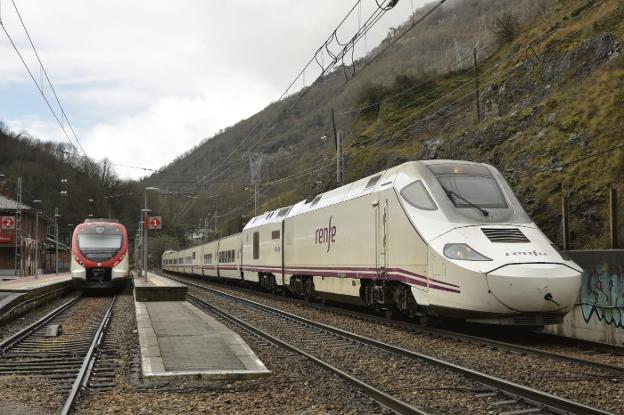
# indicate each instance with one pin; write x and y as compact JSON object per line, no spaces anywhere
{"x":426,"y":238}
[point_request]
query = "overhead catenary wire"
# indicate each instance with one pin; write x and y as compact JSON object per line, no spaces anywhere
{"x":323,"y":165}
{"x":62,"y":118}
{"x":352,"y":152}
{"x":45,"y":73}
{"x":336,"y":57}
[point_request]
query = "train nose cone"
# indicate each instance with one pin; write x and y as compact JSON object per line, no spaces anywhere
{"x":530,"y":288}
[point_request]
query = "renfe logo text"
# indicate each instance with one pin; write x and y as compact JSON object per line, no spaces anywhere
{"x":326,"y":235}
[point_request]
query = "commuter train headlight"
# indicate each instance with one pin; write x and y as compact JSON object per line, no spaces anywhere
{"x":463,"y":251}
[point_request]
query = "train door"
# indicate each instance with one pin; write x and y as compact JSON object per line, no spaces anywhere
{"x":381,"y":237}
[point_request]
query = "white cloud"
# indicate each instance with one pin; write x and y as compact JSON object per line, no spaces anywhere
{"x":144,"y":81}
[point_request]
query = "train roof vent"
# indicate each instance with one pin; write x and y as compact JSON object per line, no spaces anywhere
{"x":512,"y":235}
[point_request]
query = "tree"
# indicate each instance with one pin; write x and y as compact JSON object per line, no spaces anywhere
{"x":505,"y":27}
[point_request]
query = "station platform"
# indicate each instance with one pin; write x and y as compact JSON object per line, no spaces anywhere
{"x":20,"y":294}
{"x":156,"y":288}
{"x":178,"y":340}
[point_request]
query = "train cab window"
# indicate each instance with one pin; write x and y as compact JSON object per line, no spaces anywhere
{"x":256,"y":245}
{"x":481,"y":191}
{"x":275,"y":235}
{"x":373,"y":181}
{"x":193,"y":255}
{"x":416,"y":195}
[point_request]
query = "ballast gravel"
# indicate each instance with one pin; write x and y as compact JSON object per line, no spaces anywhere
{"x":295,"y":386}
{"x":593,"y":387}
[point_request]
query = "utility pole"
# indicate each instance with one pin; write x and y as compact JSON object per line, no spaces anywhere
{"x":18,"y":230}
{"x":338,"y":141}
{"x":476,"y":70}
{"x":215,"y":223}
{"x":613,"y":217}
{"x":565,"y":224}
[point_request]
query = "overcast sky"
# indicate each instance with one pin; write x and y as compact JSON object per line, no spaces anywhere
{"x":144,"y":81}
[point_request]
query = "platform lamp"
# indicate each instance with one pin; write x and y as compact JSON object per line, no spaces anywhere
{"x":57,"y":215}
{"x":36,"y":202}
{"x":145,"y":230}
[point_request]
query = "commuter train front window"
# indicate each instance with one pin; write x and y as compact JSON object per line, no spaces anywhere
{"x":91,"y":242}
{"x":416,"y":195}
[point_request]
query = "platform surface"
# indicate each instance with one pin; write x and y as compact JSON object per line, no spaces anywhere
{"x":178,"y":340}
{"x":157,"y":288}
{"x":23,"y":284}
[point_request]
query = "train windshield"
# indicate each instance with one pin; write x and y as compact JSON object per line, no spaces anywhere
{"x":472,"y":193}
{"x":99,"y":243}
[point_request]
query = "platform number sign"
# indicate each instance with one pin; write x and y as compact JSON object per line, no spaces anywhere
{"x":7,"y":222}
{"x":153,"y":222}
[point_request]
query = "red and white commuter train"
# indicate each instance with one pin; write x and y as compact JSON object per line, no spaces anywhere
{"x":99,"y":254}
{"x":426,"y":238}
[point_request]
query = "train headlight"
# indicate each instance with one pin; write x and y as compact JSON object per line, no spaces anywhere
{"x":463,"y":251}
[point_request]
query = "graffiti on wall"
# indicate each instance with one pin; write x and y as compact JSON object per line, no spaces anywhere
{"x":602,"y":289}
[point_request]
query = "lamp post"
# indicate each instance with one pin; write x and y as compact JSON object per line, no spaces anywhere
{"x":56,"y":216}
{"x":145,"y":231}
{"x":36,"y":202}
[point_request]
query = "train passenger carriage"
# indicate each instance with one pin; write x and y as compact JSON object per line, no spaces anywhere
{"x":210,"y":252}
{"x":229,"y":258}
{"x":262,"y":249}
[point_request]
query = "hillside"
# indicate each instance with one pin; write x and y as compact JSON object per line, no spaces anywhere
{"x":549,"y":95}
{"x":42,"y":166}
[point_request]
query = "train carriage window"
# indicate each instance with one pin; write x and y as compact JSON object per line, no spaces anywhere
{"x":208,"y":259}
{"x":283,"y":211}
{"x":193,"y":255}
{"x":256,"y":245}
{"x":372,"y":182}
{"x":315,"y":200}
{"x":416,"y":195}
{"x":275,"y":235}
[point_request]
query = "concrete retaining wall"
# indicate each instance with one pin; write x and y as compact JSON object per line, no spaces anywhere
{"x":599,"y":312}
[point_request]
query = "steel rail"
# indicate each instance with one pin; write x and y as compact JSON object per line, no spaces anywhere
{"x":530,"y":395}
{"x":87,"y":365}
{"x":455,"y":335}
{"x":377,"y":395}
{"x":10,"y":341}
{"x":7,"y":315}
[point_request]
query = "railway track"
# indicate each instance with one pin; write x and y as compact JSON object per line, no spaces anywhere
{"x":347,"y":350}
{"x":68,"y":361}
{"x":577,"y":352}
